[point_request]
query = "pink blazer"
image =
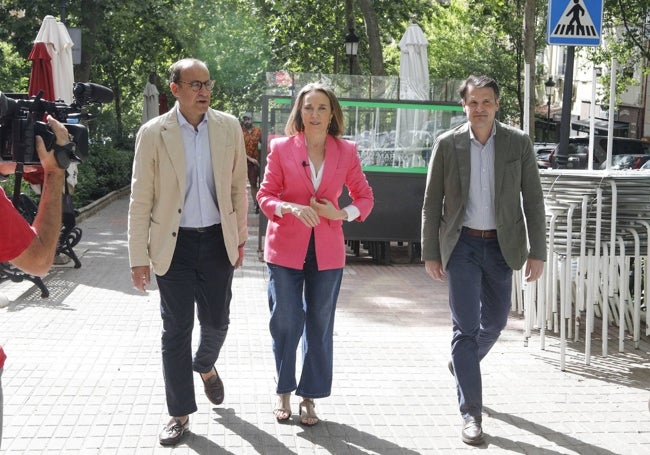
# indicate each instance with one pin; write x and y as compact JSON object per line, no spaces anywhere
{"x":287,"y":177}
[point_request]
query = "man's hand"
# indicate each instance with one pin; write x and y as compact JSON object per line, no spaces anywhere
{"x":240,"y":259}
{"x":141,"y":277}
{"x":48,"y":160}
{"x":435,"y":270}
{"x":534,"y":269}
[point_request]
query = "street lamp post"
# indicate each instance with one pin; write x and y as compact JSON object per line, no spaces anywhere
{"x":548,"y":88}
{"x":351,"y":46}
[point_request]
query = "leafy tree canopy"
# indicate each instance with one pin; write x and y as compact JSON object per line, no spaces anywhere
{"x":123,"y":41}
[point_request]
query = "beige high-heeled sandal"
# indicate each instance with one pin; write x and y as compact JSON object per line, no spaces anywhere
{"x":282,"y":412}
{"x":309,"y":418}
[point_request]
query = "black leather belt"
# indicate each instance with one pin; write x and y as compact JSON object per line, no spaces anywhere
{"x":212,"y":228}
{"x":488,"y":234}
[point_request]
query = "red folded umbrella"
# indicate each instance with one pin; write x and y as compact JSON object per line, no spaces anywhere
{"x":41,"y":75}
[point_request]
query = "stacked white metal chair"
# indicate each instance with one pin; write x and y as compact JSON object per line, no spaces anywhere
{"x":598,"y":225}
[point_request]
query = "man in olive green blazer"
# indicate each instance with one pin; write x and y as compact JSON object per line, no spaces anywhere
{"x":483,"y":209}
{"x":515,"y":174}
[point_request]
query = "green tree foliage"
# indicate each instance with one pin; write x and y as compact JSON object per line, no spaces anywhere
{"x":14,"y":70}
{"x":125,"y":40}
{"x":304,"y":36}
{"x":626,"y":34}
{"x":230,"y":38}
{"x":627,"y":21}
{"x":468,"y":38}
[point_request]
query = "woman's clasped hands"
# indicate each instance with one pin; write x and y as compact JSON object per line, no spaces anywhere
{"x":310,"y":215}
{"x":305,"y":214}
{"x":325,"y":208}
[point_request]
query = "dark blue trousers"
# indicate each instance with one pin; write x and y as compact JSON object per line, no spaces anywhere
{"x":480,"y":286}
{"x":201,"y":274}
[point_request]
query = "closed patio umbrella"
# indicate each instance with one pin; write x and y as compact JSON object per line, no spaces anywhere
{"x":414,"y":64}
{"x":41,"y":75}
{"x":55,"y":38}
{"x":52,"y":70}
{"x":150,"y":108}
{"x":414,"y":85}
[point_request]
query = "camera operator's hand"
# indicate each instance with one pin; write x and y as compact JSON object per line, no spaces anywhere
{"x":47,"y":158}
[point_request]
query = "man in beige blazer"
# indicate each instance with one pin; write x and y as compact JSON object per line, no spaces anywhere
{"x":187,"y":221}
{"x":483,"y":209}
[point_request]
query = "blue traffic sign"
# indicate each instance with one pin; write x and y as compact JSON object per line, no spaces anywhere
{"x":574,"y":22}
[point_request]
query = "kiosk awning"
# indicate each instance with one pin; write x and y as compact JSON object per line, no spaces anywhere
{"x":600,"y":127}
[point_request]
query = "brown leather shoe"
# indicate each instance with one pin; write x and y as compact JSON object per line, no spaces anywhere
{"x":214,"y":388}
{"x":472,"y":433}
{"x":174,"y":431}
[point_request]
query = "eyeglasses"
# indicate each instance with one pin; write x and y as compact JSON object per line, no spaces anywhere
{"x":196,"y":85}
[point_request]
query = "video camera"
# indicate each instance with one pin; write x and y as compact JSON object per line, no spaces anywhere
{"x":21,"y":121}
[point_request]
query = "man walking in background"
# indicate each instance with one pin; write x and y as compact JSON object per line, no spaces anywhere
{"x":253,"y":141}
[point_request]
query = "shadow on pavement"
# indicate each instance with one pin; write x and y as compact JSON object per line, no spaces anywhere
{"x":560,"y":439}
{"x":333,"y":437}
{"x":628,"y":369}
{"x":338,"y":438}
{"x":259,"y":439}
{"x":203,"y":446}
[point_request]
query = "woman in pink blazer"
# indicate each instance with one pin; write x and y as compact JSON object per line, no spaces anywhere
{"x":304,"y":246}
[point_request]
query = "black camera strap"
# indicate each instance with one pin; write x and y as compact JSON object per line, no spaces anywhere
{"x":18,"y":179}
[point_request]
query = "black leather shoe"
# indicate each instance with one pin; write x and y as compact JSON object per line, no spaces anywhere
{"x":174,"y":431}
{"x":214,"y":388}
{"x":472,"y":432}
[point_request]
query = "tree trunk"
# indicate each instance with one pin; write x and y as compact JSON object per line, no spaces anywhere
{"x":90,"y":16}
{"x":374,"y":41}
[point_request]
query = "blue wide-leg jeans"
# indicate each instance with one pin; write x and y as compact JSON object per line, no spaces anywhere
{"x":480,"y":285}
{"x":302,"y":304}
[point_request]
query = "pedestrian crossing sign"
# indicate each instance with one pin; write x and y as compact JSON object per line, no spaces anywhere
{"x":574,"y":22}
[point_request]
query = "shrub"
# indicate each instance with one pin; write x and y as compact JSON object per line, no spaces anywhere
{"x":107,"y":169}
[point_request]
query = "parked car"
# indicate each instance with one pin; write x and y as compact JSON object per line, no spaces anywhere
{"x":578,"y":150}
{"x":620,"y":162}
{"x":543,"y":152}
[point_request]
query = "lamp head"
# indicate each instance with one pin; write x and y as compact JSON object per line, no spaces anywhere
{"x":351,"y":43}
{"x":548,"y":86}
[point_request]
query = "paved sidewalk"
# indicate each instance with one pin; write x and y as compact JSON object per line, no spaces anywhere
{"x":84,"y":371}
